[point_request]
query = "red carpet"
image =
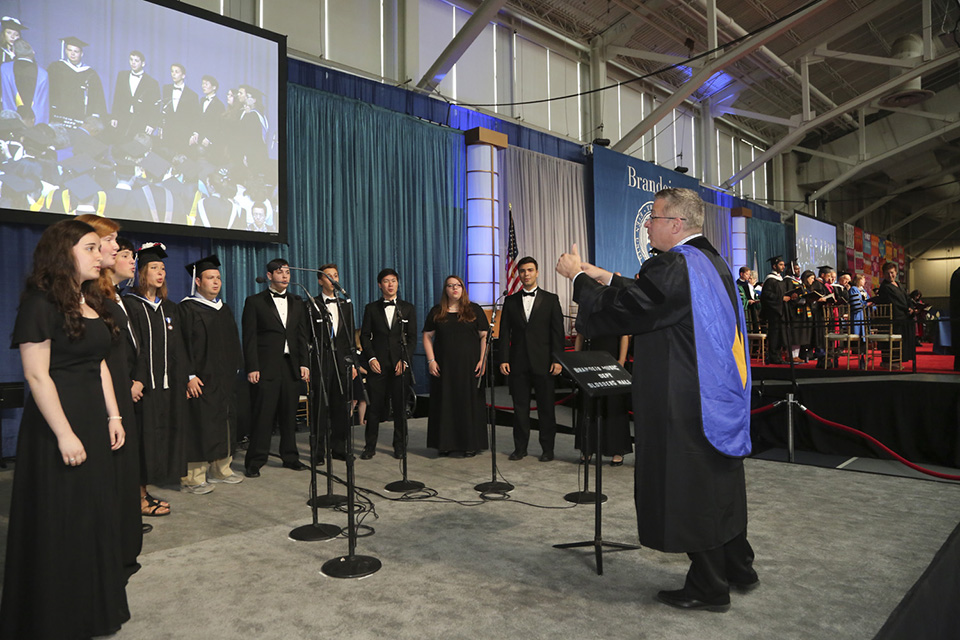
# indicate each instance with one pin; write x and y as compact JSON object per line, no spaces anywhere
{"x":927,"y":362}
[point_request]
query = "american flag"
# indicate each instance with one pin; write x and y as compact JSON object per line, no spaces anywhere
{"x":513,"y":278}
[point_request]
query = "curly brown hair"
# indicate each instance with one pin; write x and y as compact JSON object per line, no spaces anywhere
{"x":103,"y":227}
{"x":54,"y":272}
{"x":465,"y":312}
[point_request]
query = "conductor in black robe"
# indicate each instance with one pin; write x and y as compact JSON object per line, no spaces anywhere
{"x":387,"y":334}
{"x":531,"y":334}
{"x":213,"y":348}
{"x":276,"y":359}
{"x":691,"y":397}
{"x":334,"y":323}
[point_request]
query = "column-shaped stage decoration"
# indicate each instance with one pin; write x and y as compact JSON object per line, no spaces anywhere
{"x":484,"y":265}
{"x":738,"y":227}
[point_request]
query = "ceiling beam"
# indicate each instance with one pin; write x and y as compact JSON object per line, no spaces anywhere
{"x":860,"y":17}
{"x":791,"y":138}
{"x":910,"y":186}
{"x":943,"y":236}
{"x":460,"y":43}
{"x":936,"y":206}
{"x":701,"y":76}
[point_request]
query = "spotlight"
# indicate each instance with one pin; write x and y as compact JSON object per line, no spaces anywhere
{"x":681,"y":169}
{"x":602,"y":142}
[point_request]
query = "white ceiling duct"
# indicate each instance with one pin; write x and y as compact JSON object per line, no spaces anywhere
{"x":912,"y":92}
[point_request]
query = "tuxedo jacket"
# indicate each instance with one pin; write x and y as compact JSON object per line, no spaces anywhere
{"x":343,"y":342}
{"x":264,"y":335}
{"x":211,"y":120}
{"x":530,"y":345}
{"x":383,"y":342}
{"x":180,"y":123}
{"x":134,"y":113}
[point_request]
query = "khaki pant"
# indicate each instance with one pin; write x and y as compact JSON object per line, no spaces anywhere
{"x":197,"y":471}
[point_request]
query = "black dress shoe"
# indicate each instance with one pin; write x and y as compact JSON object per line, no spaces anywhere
{"x":517,"y":455}
{"x":147,"y":528}
{"x":250,"y":472}
{"x":546,"y":456}
{"x":367,"y":453}
{"x":681,"y":600}
{"x":397,"y":453}
{"x":295,"y":466}
{"x":745,"y":587}
{"x":338,"y":455}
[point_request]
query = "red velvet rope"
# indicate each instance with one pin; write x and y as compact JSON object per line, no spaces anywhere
{"x":866,"y":436}
{"x":760,"y":410}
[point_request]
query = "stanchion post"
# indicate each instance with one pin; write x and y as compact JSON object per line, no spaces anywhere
{"x":790,"y":403}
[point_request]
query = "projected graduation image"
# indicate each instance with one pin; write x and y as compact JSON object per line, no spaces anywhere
{"x":139,"y":112}
{"x":816,"y":243}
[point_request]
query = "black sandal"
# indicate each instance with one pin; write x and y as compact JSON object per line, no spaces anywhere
{"x":155,"y":501}
{"x":150,"y":510}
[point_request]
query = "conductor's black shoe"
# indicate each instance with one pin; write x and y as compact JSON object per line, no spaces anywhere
{"x":250,"y":472}
{"x":397,"y":453}
{"x":518,"y":455}
{"x":295,"y":466}
{"x":745,"y":587}
{"x":546,"y":456}
{"x":368,"y":453}
{"x":681,"y":600}
{"x":338,"y":455}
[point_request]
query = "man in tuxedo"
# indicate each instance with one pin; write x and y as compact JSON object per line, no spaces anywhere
{"x":277,"y":359}
{"x":333,"y":324}
{"x":181,"y":110}
{"x":388,"y":336}
{"x":531,"y":334}
{"x":136,"y":98}
{"x":751,"y":304}
{"x":207,"y":134}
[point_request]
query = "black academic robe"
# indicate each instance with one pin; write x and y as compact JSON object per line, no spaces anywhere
{"x":689,"y":497}
{"x":161,"y":413}
{"x":74,"y":95}
{"x":212,"y":343}
{"x":773,"y":312}
{"x":903,"y":325}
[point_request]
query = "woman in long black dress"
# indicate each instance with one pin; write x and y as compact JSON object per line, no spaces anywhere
{"x":455,"y":342}
{"x":63,"y":576}
{"x":161,"y":413}
{"x":615,"y":432}
{"x":121,"y":361}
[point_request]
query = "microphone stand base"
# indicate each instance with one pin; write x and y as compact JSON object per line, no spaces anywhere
{"x":494,"y":487}
{"x":402,"y":486}
{"x":327,"y":501}
{"x":351,"y":567}
{"x":315,"y":532}
{"x":584,"y":497}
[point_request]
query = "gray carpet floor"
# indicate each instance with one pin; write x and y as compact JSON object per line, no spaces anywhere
{"x":836,"y":551}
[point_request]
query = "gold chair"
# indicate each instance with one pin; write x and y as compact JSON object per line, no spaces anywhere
{"x":838,"y":339}
{"x":882,"y":336}
{"x":758,"y":343}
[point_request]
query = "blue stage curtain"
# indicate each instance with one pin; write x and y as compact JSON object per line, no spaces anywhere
{"x":368,"y":189}
{"x":766,"y":240}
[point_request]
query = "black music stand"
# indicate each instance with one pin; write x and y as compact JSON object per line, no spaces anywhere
{"x":598,"y":375}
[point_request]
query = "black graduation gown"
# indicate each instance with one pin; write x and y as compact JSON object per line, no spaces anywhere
{"x":212,"y":343}
{"x":688,"y":496}
{"x":160,"y":367}
{"x":903,"y":324}
{"x":121,"y":362}
{"x":75,"y":94}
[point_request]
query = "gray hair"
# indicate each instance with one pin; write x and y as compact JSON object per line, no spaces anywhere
{"x":683,"y":203}
{"x":22,"y":49}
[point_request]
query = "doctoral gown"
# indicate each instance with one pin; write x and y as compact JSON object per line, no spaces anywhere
{"x":75,"y":93}
{"x":213,"y":348}
{"x":691,"y":382}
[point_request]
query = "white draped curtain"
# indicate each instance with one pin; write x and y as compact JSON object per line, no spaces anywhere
{"x":717,"y":229}
{"x":547,"y":197}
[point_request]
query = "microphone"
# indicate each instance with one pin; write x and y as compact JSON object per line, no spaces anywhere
{"x":336,"y":285}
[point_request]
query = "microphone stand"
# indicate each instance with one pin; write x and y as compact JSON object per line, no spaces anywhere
{"x":494,"y":486}
{"x":316,"y":530}
{"x":351,"y":565}
{"x":400,"y":413}
{"x":331,"y":499}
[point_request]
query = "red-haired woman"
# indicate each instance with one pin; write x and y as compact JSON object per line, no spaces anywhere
{"x":454,"y":339}
{"x":121,"y":362}
{"x":63,"y":576}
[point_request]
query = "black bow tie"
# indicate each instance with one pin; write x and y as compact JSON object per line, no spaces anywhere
{"x":134,"y":73}
{"x":277,"y":295}
{"x":178,"y":88}
{"x":329,"y":301}
{"x":529,"y":293}
{"x":389,"y":303}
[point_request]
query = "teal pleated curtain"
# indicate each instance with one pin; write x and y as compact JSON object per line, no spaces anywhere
{"x":368,"y":189}
{"x":766,"y":240}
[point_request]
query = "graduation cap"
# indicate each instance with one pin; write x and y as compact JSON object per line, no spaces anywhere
{"x":79,"y":164}
{"x":12,"y":127}
{"x":6,"y":22}
{"x":40,"y":137}
{"x":151,"y":252}
{"x":198,"y":267}
{"x":85,"y":143}
{"x":824,"y":269}
{"x":19,"y":184}
{"x":155,"y":165}
{"x":133,"y":150}
{"x":190,"y":169}
{"x":76,"y":42}
{"x":774,"y":260}
{"x":83,"y":187}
